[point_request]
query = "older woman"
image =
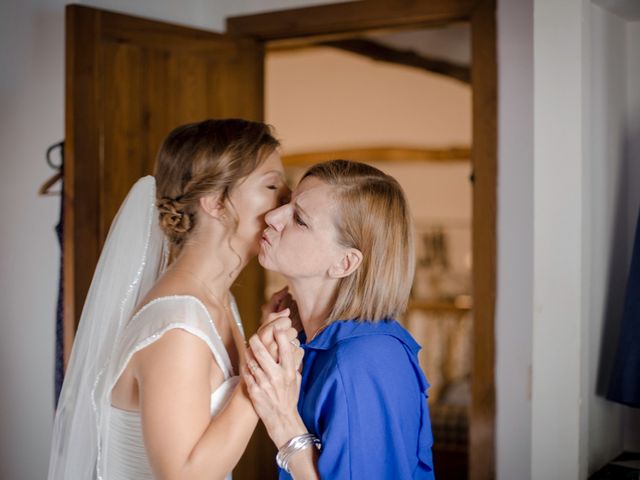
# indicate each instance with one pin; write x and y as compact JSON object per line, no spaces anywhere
{"x":359,"y":409}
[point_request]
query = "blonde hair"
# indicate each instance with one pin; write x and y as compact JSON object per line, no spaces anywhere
{"x":372,"y":216}
{"x":201,"y":158}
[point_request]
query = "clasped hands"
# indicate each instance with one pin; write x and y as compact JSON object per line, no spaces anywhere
{"x":271,"y":369}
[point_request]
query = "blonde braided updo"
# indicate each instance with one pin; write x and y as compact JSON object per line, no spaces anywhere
{"x":203,"y":158}
{"x":173,"y":220}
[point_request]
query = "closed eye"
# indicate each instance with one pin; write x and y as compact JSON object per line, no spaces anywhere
{"x":298,"y":220}
{"x":272,"y":187}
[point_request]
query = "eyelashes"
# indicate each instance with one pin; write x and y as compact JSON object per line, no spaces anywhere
{"x":298,"y":220}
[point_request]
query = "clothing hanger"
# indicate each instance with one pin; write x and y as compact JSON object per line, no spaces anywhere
{"x":45,"y":188}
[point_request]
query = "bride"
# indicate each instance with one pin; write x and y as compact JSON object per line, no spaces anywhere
{"x":152,"y":388}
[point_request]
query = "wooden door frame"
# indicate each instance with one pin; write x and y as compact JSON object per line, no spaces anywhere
{"x":342,"y":19}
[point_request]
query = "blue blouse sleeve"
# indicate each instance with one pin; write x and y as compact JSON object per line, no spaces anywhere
{"x":373,"y":418}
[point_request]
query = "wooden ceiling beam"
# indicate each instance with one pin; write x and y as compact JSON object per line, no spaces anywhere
{"x":383,"y":53}
{"x":381,"y":154}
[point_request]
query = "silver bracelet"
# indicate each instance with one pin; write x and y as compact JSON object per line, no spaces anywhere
{"x":293,"y":446}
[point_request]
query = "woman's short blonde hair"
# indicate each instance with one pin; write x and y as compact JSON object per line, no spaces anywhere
{"x":373,"y":216}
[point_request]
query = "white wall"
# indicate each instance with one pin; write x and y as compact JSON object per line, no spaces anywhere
{"x":557,"y":176}
{"x":585,"y":190}
{"x":514,"y":303}
{"x":605,"y":225}
{"x":31,"y":119}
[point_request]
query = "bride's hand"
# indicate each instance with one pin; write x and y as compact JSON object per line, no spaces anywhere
{"x":277,"y":321}
{"x":274,"y":386}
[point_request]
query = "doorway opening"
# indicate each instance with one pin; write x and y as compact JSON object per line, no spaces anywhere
{"x":399,"y":101}
{"x":347,"y":26}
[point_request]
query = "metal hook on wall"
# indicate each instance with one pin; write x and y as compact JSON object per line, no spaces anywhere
{"x":50,"y":162}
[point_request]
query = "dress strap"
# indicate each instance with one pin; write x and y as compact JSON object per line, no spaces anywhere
{"x":158,"y":317}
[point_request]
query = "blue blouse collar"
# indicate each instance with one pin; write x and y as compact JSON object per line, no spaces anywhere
{"x":344,"y":329}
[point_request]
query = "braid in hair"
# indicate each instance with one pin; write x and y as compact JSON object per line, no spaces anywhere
{"x":175,"y":221}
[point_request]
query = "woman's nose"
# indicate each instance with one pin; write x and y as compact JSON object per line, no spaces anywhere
{"x":275,"y":218}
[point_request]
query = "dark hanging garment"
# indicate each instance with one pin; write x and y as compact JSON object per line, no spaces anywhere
{"x":59,"y":355}
{"x":624,"y":386}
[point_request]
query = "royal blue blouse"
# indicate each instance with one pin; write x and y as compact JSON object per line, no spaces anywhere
{"x":364,"y":395}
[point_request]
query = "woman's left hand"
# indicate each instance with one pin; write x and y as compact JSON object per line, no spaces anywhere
{"x":274,"y":387}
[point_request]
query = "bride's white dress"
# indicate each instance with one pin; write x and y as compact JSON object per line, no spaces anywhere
{"x":124,"y":446}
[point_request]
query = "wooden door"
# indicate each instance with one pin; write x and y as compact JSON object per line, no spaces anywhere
{"x":129,"y":81}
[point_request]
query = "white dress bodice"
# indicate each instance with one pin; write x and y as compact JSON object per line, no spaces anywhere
{"x":124,"y":451}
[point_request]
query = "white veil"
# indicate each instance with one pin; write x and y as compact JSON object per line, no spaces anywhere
{"x":132,"y":258}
